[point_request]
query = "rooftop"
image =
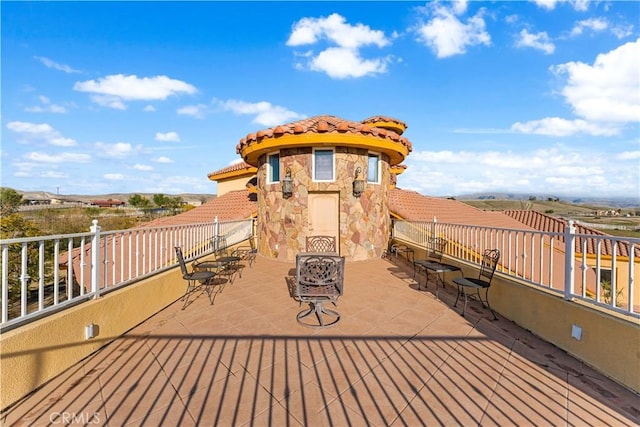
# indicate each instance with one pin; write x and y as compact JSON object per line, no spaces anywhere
{"x":399,"y":356}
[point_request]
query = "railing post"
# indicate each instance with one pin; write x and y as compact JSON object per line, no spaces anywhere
{"x":435,"y":225}
{"x":569,"y":259}
{"x":95,"y":258}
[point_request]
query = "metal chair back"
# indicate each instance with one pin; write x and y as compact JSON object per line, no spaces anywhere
{"x":489,"y":264}
{"x":183,"y":265}
{"x":435,"y":248}
{"x":321,"y":244}
{"x":319,"y":277}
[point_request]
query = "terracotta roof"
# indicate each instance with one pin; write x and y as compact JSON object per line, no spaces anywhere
{"x":323,"y":124}
{"x":413,"y":206}
{"x":387,"y":122}
{"x":233,"y":205}
{"x":237,"y":167}
{"x":547,"y":223}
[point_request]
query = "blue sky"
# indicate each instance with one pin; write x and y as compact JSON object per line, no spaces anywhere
{"x":520,"y":97}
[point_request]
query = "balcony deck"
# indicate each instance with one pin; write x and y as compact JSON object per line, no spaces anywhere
{"x":398,"y":357}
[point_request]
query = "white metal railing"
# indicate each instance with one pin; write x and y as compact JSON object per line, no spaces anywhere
{"x":598,"y":269}
{"x":44,"y":274}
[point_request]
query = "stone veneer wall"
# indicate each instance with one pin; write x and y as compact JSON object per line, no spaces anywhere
{"x":364,"y":222}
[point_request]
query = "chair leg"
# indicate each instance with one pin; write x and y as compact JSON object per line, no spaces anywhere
{"x":208,"y":287}
{"x":320,"y":311}
{"x":486,"y":297}
{"x":190,"y":289}
{"x":461,"y":290}
{"x":455,"y":304}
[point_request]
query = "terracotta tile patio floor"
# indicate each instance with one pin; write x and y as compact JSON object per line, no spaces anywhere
{"x":398,"y":357}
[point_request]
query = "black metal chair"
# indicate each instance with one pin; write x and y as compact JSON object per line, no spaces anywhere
{"x":433,"y":263}
{"x":319,"y":280}
{"x":194,"y":279}
{"x":248,"y":253}
{"x":325,"y":244}
{"x":483,"y":281}
{"x":224,"y":262}
{"x":434,"y":252}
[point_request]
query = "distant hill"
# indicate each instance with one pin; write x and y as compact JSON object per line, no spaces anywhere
{"x":591,"y":202}
{"x":43,"y":195}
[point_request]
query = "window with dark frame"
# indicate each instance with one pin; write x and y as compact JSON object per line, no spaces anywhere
{"x":373,"y":168}
{"x":273,"y":166}
{"x":323,"y":165}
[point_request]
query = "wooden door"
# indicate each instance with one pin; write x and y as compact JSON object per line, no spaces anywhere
{"x":324,"y":213}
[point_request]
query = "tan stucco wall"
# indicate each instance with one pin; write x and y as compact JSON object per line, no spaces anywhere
{"x":35,"y":353}
{"x":610,"y":341}
{"x":363,"y":221}
{"x":227,"y":185}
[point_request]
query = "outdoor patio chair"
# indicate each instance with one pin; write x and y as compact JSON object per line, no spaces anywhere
{"x":248,"y":253}
{"x":225,"y":262}
{"x":194,"y":279}
{"x":321,"y":244}
{"x":319,"y":280}
{"x":434,"y":252}
{"x":483,"y":281}
{"x":433,"y":263}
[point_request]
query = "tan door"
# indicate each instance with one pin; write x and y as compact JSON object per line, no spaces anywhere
{"x":324,"y":215}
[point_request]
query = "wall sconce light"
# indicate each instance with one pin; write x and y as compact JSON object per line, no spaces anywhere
{"x":358,"y":184}
{"x":287,"y":185}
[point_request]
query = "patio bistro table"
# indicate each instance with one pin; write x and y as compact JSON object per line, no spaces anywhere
{"x":438,"y":268}
{"x":398,"y":249}
{"x":219,"y":265}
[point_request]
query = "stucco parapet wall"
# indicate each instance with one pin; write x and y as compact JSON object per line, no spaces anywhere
{"x":327,"y":131}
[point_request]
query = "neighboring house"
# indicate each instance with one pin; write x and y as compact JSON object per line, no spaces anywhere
{"x":109,"y":203}
{"x":234,"y":177}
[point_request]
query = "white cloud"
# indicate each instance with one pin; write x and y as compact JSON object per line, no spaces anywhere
{"x":57,"y":158}
{"x":197,"y":111}
{"x":113,"y":176}
{"x":335,"y":29}
{"x":629,"y":155}
{"x":343,"y":59}
{"x":163,"y":159}
{"x":555,"y":126}
{"x":140,"y":167}
{"x":552,"y":170}
{"x":603,"y":96}
{"x":149,"y":108}
{"x":579,"y":5}
{"x":111,"y":91}
{"x":447,"y":35}
{"x":53,"y":108}
{"x":593,"y":24}
{"x":538,"y":41}
{"x":53,"y":174}
{"x":116,"y":151}
{"x":623,"y":30}
{"x":342,"y":63}
{"x":109,"y":101}
{"x":620,"y":30}
{"x":35,"y":132}
{"x":46,"y":107}
{"x":265,"y":113}
{"x":606,"y":91}
{"x":167,"y":137}
{"x":52,"y":64}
